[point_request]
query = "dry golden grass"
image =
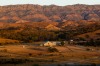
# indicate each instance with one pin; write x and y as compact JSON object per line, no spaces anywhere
{"x":5,"y":41}
{"x":41,"y":55}
{"x":91,"y":34}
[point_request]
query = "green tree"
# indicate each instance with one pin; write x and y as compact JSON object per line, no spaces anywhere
{"x":62,"y":43}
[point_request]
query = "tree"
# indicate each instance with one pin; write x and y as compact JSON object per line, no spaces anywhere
{"x":62,"y":43}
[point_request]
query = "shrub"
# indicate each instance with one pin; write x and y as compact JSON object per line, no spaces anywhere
{"x":87,"y":49}
{"x":50,"y":49}
{"x":30,"y":54}
{"x":62,"y":43}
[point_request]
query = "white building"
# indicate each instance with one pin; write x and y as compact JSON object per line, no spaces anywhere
{"x":49,"y":44}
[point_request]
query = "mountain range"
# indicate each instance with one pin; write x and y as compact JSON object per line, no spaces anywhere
{"x":60,"y":16}
{"x":37,"y":13}
{"x":29,"y":22}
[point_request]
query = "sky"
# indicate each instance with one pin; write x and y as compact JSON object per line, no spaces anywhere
{"x":49,"y":2}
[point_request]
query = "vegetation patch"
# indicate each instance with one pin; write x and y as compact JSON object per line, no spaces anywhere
{"x":52,"y":49}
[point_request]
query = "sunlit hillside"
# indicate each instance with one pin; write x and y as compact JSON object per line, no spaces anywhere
{"x":7,"y":41}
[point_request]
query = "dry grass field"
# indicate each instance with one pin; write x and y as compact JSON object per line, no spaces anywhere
{"x":31,"y":54}
{"x":91,"y":34}
{"x":7,"y":41}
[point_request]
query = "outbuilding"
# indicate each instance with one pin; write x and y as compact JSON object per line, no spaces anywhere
{"x":49,"y":44}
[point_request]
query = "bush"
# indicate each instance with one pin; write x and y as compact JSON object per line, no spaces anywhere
{"x":30,"y":54}
{"x":62,"y":43}
{"x":50,"y":49}
{"x":87,"y":49}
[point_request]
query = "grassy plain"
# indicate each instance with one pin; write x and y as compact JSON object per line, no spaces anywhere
{"x":31,"y":54}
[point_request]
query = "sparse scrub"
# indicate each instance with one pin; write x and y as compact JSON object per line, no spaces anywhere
{"x":4,"y":50}
{"x":88,"y":49}
{"x":12,"y":61}
{"x":30,"y":54}
{"x":4,"y":41}
{"x":51,"y":49}
{"x":52,"y":60}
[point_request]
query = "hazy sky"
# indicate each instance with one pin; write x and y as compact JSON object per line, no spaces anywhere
{"x":49,"y":2}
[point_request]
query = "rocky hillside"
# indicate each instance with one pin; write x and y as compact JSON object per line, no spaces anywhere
{"x":52,"y":13}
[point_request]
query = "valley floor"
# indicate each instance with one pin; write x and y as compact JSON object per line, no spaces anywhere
{"x":29,"y":55}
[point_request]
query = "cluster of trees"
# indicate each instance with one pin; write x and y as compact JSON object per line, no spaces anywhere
{"x":90,"y":42}
{"x":87,"y":28}
{"x":29,"y":34}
